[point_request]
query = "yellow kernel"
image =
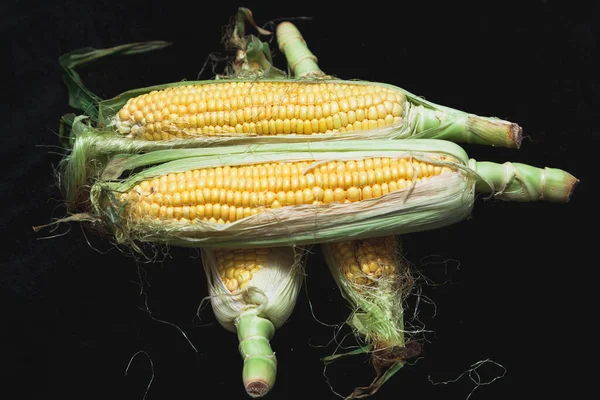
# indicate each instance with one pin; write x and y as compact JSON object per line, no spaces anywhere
{"x":124,"y":114}
{"x":353,"y":194}
{"x":328,"y":196}
{"x":339,"y":195}
{"x":376,"y":190}
{"x":367,"y":193}
{"x":290,"y":198}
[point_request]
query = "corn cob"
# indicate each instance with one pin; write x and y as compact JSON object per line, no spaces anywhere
{"x":253,"y":292}
{"x":437,"y":188}
{"x":261,"y":108}
{"x":224,"y":195}
{"x":375,"y":280}
{"x":287,"y":110}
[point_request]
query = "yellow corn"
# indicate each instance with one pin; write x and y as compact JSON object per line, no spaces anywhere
{"x":227,"y":194}
{"x":364,"y":262}
{"x":237,"y":267}
{"x":261,"y":108}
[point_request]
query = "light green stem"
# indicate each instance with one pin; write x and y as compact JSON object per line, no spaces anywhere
{"x":435,"y":121}
{"x":301,"y":60}
{"x":522,"y":182}
{"x":260,"y":363}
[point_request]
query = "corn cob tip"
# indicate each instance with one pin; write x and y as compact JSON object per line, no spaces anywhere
{"x":494,"y":131}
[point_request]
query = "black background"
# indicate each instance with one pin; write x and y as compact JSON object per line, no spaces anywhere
{"x":512,"y":288}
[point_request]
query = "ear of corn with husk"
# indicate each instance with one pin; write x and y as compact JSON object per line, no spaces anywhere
{"x":375,"y":280}
{"x":351,"y":189}
{"x":252,"y":293}
{"x":287,"y":110}
{"x":238,"y":109}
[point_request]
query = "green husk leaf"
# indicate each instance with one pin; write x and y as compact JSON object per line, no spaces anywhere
{"x":334,"y":357}
{"x":64,"y":129}
{"x":81,"y":97}
{"x":180,"y":160}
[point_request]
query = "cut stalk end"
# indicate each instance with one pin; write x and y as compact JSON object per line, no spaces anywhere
{"x":559,"y":185}
{"x":522,"y":182}
{"x":258,"y":386}
{"x":257,"y":389}
{"x":434,"y":121}
{"x":260,"y":364}
{"x":302,"y":62}
{"x":495,"y":132}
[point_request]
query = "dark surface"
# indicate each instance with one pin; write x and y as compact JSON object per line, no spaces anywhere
{"x":513,"y":287}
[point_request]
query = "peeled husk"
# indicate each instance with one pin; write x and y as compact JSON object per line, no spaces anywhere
{"x":272,"y":291}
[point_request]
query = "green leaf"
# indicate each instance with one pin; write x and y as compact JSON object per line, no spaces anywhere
{"x":361,"y":350}
{"x":81,"y":97}
{"x":64,"y":130}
